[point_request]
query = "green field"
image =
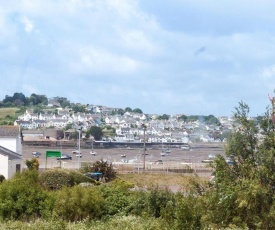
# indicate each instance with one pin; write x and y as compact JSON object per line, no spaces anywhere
{"x":8,"y":111}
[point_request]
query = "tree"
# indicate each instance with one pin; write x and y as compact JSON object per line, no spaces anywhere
{"x":211,"y":120}
{"x":163,"y":117}
{"x":35,"y":99}
{"x":182,"y":117}
{"x":96,"y":132}
{"x":137,"y":110}
{"x":242,"y":194}
{"x":107,"y":170}
{"x":128,"y":109}
{"x":120,"y":111}
{"x":63,"y":101}
{"x":32,"y":164}
{"x":78,"y":108}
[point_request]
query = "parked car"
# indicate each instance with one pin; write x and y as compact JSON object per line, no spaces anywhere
{"x":36,"y":154}
{"x":158,"y":162}
{"x":65,"y":157}
{"x":76,"y":151}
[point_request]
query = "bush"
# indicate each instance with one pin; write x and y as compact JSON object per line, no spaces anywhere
{"x":117,"y":197}
{"x":107,"y":170}
{"x":32,"y":164}
{"x":54,"y":179}
{"x":78,"y":203}
{"x":2,"y":178}
{"x":21,"y":198}
{"x":79,"y":178}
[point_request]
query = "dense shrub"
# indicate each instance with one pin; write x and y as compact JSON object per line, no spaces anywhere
{"x":107,"y":169}
{"x":78,"y":178}
{"x":187,"y":212}
{"x":78,"y":203}
{"x":117,"y":197}
{"x":54,"y":179}
{"x":152,"y":201}
{"x":21,"y":197}
{"x":32,"y":164}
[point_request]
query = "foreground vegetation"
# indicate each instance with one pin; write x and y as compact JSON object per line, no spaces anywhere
{"x":241,"y":196}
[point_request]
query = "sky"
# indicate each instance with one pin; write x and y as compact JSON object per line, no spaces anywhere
{"x":192,"y":57}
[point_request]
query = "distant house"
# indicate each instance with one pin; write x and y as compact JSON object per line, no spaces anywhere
{"x":10,"y":151}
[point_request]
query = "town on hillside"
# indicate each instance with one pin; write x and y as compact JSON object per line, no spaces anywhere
{"x":122,"y":125}
{"x":127,"y":127}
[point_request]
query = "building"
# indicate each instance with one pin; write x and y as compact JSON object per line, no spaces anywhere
{"x":10,"y":151}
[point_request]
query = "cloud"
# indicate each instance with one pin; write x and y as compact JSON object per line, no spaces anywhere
{"x":28,"y":25}
{"x":171,"y":57}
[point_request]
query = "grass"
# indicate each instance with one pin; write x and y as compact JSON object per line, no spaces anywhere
{"x":8,"y":111}
{"x":115,"y":223}
{"x":146,"y":179}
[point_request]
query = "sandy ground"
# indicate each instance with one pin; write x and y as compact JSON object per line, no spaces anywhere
{"x":178,"y":158}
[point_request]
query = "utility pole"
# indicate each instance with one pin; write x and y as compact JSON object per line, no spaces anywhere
{"x":79,"y":153}
{"x":144,"y":147}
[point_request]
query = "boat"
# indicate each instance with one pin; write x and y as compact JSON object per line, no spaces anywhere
{"x":167,"y":151}
{"x":93,"y":153}
{"x":123,"y":155}
{"x":185,"y":147}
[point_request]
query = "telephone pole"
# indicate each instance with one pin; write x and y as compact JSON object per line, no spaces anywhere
{"x":144,"y":147}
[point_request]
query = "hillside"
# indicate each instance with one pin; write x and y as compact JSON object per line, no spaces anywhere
{"x":9,"y":115}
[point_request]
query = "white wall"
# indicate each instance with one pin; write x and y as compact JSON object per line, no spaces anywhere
{"x":12,"y":167}
{"x":13,"y":144}
{"x":9,"y":143}
{"x":4,"y":162}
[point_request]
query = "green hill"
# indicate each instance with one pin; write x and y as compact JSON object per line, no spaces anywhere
{"x":9,"y":115}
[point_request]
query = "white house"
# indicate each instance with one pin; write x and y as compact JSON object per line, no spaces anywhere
{"x":10,"y":138}
{"x":10,"y":151}
{"x":10,"y":162}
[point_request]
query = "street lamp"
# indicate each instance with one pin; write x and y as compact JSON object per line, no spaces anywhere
{"x":144,"y":147}
{"x":79,"y":131}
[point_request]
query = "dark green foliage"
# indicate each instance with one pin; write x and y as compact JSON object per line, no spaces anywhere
{"x":96,"y":132}
{"x":117,"y":197}
{"x":152,"y":201}
{"x":32,"y":164}
{"x":157,"y":199}
{"x":78,"y":203}
{"x":36,"y":99}
{"x":137,"y":110}
{"x":107,"y":169}
{"x":79,"y":178}
{"x":182,"y":117}
{"x":55,"y":179}
{"x":22,"y":197}
{"x":2,"y":178}
{"x":63,"y":101}
{"x":78,"y":108}
{"x":242,"y":194}
{"x":128,"y":109}
{"x":163,"y":117}
{"x":187,"y":212}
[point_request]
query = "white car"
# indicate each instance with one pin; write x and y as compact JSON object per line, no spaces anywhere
{"x":76,"y":151}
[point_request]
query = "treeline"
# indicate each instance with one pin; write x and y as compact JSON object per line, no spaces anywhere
{"x":19,"y":99}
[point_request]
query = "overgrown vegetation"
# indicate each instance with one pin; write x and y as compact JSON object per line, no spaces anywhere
{"x":241,"y":196}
